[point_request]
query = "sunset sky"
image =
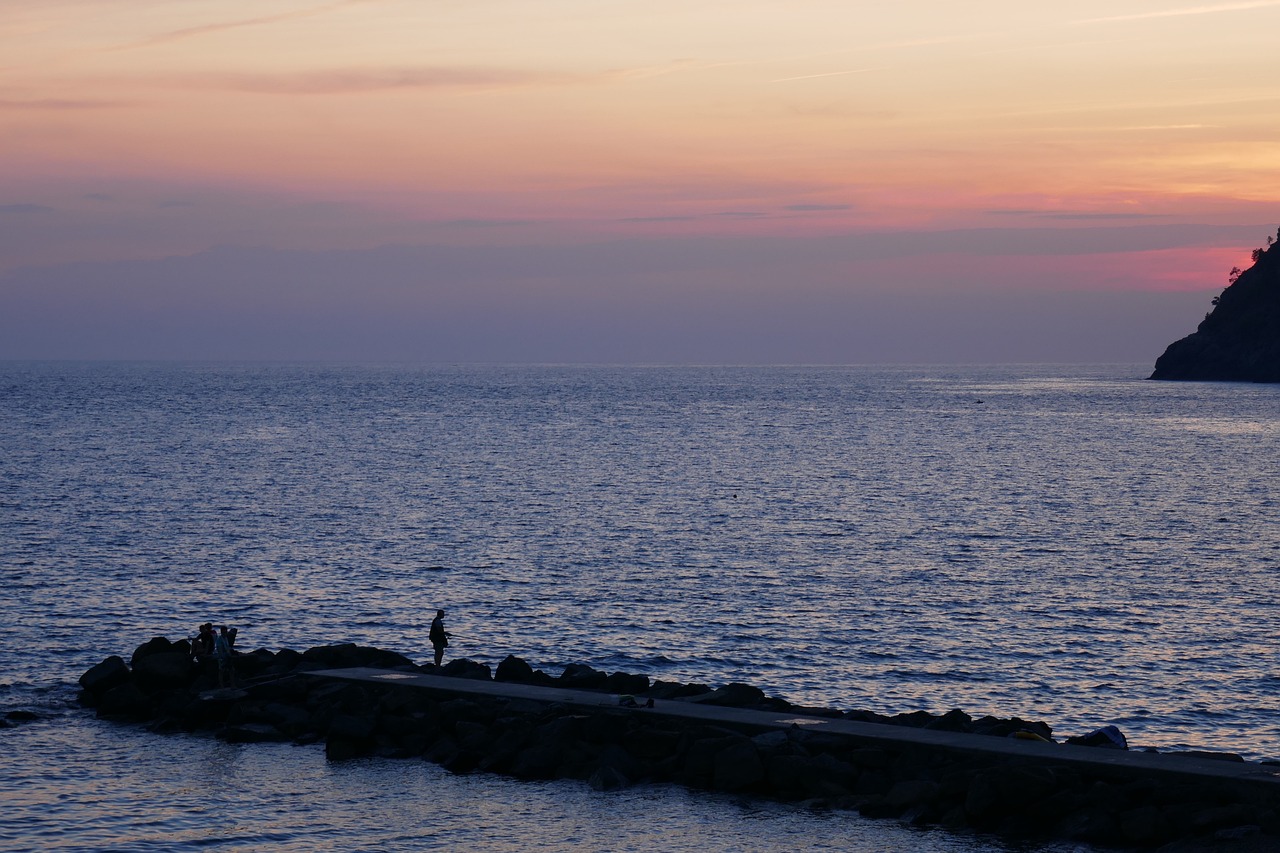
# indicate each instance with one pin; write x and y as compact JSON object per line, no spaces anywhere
{"x":565,"y":180}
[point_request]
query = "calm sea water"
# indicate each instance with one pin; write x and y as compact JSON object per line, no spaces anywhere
{"x":1065,"y":543}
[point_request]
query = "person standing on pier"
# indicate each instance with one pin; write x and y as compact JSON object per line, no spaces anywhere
{"x":226,"y":662}
{"x":439,"y":636}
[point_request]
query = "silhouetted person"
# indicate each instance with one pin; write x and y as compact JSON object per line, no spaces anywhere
{"x":222,"y":652}
{"x":202,"y":645}
{"x":438,"y":636}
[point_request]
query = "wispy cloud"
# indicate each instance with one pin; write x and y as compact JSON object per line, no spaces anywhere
{"x":1189,"y":10}
{"x":23,"y":209}
{"x":223,"y":26}
{"x":362,"y":80}
{"x":819,"y":207}
{"x":56,"y":104}
{"x":1171,"y":127}
{"x":827,"y":74}
{"x":1069,"y":215}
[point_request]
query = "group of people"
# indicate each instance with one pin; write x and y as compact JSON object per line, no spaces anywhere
{"x":219,"y":646}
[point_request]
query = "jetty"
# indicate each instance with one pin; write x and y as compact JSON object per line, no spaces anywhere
{"x":1194,"y":766}
{"x":1007,"y":777}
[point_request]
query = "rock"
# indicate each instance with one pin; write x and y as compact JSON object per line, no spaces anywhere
{"x":514,"y":669}
{"x":124,"y":700}
{"x":1239,"y":340}
{"x":608,"y":779}
{"x":621,"y":760}
{"x":464,"y":668}
{"x":536,"y":761}
{"x":733,"y":695}
{"x":342,"y":749}
{"x":254,"y":663}
{"x":952,"y":721}
{"x":104,"y":676}
{"x":737,"y":768}
{"x":911,"y":794}
{"x":471,"y":735}
{"x":1107,"y":737}
{"x":352,"y":727}
{"x":252,"y":733}
{"x":154,"y":646}
{"x":161,"y":670}
{"x":915,"y":719}
{"x":1144,"y":826}
{"x":580,"y":676}
{"x":625,"y":682}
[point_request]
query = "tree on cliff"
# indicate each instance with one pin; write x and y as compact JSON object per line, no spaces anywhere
{"x":1239,"y":340}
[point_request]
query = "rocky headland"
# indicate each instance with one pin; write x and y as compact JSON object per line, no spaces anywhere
{"x":286,"y":696}
{"x":1239,"y":340}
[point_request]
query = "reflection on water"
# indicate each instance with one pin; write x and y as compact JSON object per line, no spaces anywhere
{"x":95,"y":794}
{"x":1069,"y":544}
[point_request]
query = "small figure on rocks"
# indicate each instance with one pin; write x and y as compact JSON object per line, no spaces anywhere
{"x":226,"y":663}
{"x":202,"y":645}
{"x":439,"y":636}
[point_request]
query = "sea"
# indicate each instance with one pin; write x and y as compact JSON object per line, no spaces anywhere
{"x":1065,"y":543}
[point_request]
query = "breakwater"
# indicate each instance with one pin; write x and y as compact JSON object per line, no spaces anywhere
{"x":1005,"y":776}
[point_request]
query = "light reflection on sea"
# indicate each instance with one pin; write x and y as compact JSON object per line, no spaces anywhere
{"x":1059,"y":543}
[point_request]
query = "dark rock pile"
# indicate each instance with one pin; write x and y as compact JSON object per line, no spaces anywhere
{"x":613,"y":746}
{"x":1239,"y":340}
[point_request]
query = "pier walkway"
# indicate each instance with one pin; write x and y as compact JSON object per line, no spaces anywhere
{"x":1263,"y":778}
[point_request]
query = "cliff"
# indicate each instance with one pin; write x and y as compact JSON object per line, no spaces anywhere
{"x":1239,"y":340}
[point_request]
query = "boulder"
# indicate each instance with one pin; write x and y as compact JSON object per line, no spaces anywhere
{"x":737,"y":767}
{"x":464,"y":668}
{"x":953,"y":721}
{"x":513,"y":669}
{"x":163,"y":670}
{"x":912,"y":794}
{"x":580,"y":676}
{"x":125,"y":700}
{"x":154,"y":646}
{"x":104,"y":676}
{"x":625,"y":682}
{"x":608,"y":779}
{"x":252,"y":733}
{"x":735,"y":695}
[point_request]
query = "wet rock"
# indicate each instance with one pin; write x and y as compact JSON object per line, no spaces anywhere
{"x":125,"y":700}
{"x":608,"y":779}
{"x":104,"y":676}
{"x":252,"y":733}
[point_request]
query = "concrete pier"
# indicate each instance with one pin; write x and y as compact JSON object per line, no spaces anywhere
{"x":992,"y":775}
{"x":1265,"y":777}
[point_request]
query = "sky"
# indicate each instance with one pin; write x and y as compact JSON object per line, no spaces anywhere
{"x":613,"y":181}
